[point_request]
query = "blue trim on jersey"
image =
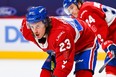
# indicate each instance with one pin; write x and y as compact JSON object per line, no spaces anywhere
{"x":78,"y":26}
{"x":83,"y":59}
{"x":73,"y":22}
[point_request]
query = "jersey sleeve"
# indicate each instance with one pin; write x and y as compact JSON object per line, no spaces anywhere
{"x":26,"y":32}
{"x":64,"y":49}
{"x":95,"y":18}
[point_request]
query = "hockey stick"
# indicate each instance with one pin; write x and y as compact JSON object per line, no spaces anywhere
{"x":102,"y":68}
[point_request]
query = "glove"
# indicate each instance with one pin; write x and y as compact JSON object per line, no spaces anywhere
{"x":106,"y":44}
{"x":112,"y":48}
{"x":109,"y":47}
{"x":50,"y":52}
{"x":53,"y":61}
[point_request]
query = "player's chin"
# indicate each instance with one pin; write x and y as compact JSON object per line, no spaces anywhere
{"x":75,"y":15}
{"x":38,"y":37}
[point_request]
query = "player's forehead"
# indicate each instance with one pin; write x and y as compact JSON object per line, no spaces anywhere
{"x":40,"y":22}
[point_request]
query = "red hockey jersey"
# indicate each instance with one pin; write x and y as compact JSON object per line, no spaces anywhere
{"x":67,"y":37}
{"x":101,"y":19}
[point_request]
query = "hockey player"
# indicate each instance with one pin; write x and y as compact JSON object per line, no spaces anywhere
{"x":102,"y":20}
{"x":70,"y":39}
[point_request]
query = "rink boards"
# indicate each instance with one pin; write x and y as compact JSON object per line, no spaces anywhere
{"x":14,"y":46}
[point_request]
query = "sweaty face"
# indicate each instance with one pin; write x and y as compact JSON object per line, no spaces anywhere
{"x":73,"y":10}
{"x":38,"y":29}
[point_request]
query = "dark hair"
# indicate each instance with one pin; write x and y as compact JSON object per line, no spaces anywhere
{"x":48,"y":25}
{"x":81,"y":1}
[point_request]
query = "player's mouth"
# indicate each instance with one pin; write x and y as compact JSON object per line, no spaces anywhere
{"x":37,"y":35}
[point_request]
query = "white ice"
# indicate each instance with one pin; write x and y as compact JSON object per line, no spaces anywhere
{"x":31,"y":68}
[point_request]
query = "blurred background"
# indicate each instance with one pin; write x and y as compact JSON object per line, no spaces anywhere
{"x":18,"y":8}
{"x":21,"y":58}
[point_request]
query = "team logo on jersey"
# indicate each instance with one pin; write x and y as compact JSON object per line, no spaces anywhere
{"x":64,"y":63}
{"x":61,"y":33}
{"x":79,"y":61}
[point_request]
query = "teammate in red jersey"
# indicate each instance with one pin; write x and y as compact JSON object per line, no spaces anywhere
{"x":70,"y":39}
{"x":101,"y":19}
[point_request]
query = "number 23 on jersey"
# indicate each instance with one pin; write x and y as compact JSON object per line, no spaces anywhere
{"x":65,"y":45}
